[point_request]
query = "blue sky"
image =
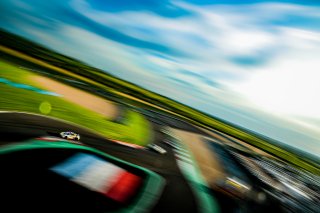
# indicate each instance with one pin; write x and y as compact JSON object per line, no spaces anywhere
{"x":253,"y":63}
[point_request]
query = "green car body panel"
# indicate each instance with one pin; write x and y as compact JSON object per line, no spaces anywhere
{"x":148,"y":194}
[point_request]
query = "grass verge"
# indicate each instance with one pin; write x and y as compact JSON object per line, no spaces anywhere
{"x":15,"y":96}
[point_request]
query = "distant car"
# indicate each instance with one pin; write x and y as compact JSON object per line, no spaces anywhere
{"x":70,"y":136}
{"x":156,"y":148}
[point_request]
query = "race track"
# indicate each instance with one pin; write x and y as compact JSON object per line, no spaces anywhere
{"x":177,"y":195}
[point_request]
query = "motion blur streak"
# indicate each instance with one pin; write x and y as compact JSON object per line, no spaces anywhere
{"x":160,"y":106}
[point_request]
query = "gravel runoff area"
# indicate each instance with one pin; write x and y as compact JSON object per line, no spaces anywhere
{"x":77,"y":96}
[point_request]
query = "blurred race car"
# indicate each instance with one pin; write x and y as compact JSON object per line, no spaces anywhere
{"x":70,"y":135}
{"x":156,"y":148}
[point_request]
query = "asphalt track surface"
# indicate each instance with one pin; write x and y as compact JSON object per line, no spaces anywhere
{"x":177,"y":195}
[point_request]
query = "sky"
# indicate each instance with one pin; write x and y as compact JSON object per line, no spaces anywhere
{"x":253,"y":63}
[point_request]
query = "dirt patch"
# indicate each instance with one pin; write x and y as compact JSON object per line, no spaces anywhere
{"x":206,"y":159}
{"x":77,"y":96}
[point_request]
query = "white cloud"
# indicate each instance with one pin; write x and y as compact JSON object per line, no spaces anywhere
{"x":90,"y":48}
{"x":245,"y":42}
{"x":118,"y":59}
{"x":227,"y":35}
{"x":288,"y":86}
{"x":210,"y":35}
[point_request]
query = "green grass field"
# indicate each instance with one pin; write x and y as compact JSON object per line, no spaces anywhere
{"x":135,"y":130}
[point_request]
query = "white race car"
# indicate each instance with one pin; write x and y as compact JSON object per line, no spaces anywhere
{"x":70,"y":136}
